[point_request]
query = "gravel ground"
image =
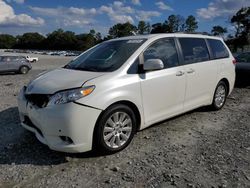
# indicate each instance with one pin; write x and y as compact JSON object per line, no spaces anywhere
{"x":197,"y":149}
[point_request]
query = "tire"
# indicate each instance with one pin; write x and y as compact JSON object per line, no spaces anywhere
{"x":24,"y":70}
{"x":220,"y":96}
{"x":109,"y":130}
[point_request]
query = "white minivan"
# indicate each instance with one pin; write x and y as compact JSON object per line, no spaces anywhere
{"x":101,"y":98}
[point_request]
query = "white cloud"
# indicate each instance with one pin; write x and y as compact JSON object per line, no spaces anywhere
{"x":61,"y":11}
{"x":76,"y":22}
{"x":9,"y":18}
{"x":19,"y":1}
{"x":16,"y":1}
{"x":161,"y":5}
{"x":120,"y":7}
{"x":221,"y":8}
{"x":118,"y":12}
{"x":136,"y":2}
{"x":146,"y":15}
{"x":71,"y":16}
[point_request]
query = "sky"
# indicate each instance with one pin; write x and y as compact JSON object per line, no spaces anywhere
{"x":79,"y":16}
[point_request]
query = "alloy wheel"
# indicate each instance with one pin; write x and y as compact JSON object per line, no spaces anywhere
{"x":117,"y":130}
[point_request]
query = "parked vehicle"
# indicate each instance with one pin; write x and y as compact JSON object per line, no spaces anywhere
{"x":32,"y":59}
{"x":243,"y":62}
{"x":101,"y":98}
{"x":16,"y":64}
{"x":243,"y":69}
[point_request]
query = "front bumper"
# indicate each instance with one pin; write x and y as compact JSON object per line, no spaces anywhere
{"x":51,"y":124}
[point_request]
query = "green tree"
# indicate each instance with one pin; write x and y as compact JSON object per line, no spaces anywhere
{"x":148,"y":28}
{"x":121,"y":30}
{"x":7,"y":41}
{"x":218,"y":31}
{"x":174,"y":23}
{"x":61,"y":40}
{"x":85,"y":41}
{"x":241,"y":21}
{"x":98,"y":37}
{"x":191,"y":24}
{"x":157,"y":28}
{"x":143,"y":27}
{"x":92,"y":32}
{"x":30,"y":41}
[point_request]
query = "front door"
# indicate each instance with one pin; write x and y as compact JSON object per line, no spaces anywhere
{"x":163,"y":90}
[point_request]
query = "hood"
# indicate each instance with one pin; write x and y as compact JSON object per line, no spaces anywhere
{"x":60,"y":79}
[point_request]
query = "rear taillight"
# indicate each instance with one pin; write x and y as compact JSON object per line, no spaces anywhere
{"x":234,"y":61}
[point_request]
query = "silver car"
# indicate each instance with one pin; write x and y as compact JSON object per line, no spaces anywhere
{"x":17,"y":64}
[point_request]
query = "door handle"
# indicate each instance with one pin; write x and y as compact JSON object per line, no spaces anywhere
{"x":180,"y":73}
{"x":190,"y":71}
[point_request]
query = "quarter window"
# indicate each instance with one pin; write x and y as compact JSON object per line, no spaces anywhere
{"x":194,"y":50}
{"x":218,"y":49}
{"x":165,"y":50}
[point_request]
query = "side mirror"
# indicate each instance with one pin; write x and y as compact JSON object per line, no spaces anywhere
{"x":153,"y":64}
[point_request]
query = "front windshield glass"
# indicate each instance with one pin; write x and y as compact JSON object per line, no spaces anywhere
{"x":106,"y":57}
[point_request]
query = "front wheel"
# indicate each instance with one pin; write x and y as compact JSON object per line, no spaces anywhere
{"x":115,"y":129}
{"x":220,"y":96}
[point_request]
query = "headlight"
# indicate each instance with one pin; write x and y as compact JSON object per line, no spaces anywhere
{"x":70,"y":95}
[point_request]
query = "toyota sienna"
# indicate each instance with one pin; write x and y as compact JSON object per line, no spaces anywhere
{"x":101,"y":98}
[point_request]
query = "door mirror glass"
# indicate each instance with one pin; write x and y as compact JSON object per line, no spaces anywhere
{"x":153,"y":64}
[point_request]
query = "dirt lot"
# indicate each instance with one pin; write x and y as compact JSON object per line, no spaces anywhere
{"x":198,"y":149}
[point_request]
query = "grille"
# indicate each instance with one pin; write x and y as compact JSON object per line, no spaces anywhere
{"x":40,"y":100}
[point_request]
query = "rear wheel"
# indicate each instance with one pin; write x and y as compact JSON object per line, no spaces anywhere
{"x":24,"y":70}
{"x":115,"y":129}
{"x":220,"y":96}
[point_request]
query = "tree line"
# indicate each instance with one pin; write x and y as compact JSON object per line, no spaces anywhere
{"x":68,"y":40}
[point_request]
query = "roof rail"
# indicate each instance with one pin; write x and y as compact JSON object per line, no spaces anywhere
{"x":200,"y":33}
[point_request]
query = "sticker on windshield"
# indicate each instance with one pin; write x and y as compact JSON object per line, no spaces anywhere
{"x":135,"y":41}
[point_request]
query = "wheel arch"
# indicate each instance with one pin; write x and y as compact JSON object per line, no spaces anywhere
{"x":225,"y":80}
{"x":131,"y":105}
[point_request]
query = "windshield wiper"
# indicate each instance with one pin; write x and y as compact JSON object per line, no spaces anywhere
{"x":92,"y":69}
{"x":66,"y":66}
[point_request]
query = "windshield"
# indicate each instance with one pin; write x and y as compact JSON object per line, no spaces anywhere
{"x":106,"y":57}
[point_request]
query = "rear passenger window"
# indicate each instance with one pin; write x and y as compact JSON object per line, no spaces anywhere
{"x":6,"y":59}
{"x":194,"y":50}
{"x":218,"y":49}
{"x":13,"y":58}
{"x":165,"y":50}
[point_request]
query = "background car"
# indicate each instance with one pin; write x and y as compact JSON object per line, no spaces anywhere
{"x":243,"y":68}
{"x":32,"y":59}
{"x":16,"y":64}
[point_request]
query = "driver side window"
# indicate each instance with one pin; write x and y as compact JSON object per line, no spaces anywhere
{"x":165,"y":50}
